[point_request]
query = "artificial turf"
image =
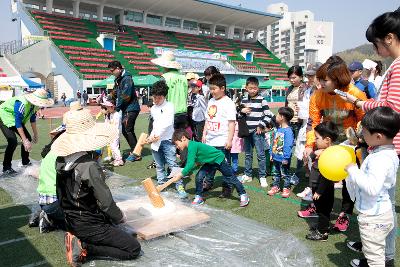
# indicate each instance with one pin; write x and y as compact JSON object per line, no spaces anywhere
{"x":24,"y":246}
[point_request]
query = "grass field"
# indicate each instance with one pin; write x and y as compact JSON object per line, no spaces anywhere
{"x":23,"y":246}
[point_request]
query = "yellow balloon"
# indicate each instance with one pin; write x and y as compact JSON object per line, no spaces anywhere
{"x":333,"y":160}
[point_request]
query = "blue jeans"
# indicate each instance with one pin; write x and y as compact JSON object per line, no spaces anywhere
{"x":166,"y":154}
{"x":233,"y":160}
{"x":210,"y":173}
{"x":390,"y":249}
{"x":258,"y":141}
{"x":229,"y":179}
{"x":281,"y":171}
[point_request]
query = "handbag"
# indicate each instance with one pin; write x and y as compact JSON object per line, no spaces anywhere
{"x":242,"y":125}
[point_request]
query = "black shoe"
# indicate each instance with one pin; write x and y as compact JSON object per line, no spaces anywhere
{"x":45,"y":225}
{"x":389,"y":263}
{"x":9,"y":173}
{"x":27,"y":165}
{"x":152,"y":165}
{"x":355,"y":246}
{"x":226,"y":192}
{"x":207,"y":186}
{"x":34,"y":219}
{"x":359,"y":263}
{"x":364,"y":263}
{"x":315,"y":235}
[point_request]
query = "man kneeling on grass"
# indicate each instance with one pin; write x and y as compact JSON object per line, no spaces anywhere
{"x":210,"y":158}
{"x":91,"y":214}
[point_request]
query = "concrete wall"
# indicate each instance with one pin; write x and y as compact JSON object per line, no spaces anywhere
{"x":35,"y":58}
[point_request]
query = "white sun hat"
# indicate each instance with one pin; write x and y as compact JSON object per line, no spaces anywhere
{"x":39,"y":98}
{"x":83,"y":134}
{"x":167,"y":60}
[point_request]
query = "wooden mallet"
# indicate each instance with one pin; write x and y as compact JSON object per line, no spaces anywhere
{"x":154,"y":192}
{"x":140,"y":144}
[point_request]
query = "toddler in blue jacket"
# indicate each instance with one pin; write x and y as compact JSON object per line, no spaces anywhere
{"x":281,"y":152}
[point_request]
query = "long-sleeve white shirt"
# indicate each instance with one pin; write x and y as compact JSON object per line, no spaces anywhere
{"x":369,"y":185}
{"x":163,"y":122}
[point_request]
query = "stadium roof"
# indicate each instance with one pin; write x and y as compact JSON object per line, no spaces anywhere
{"x":203,"y":11}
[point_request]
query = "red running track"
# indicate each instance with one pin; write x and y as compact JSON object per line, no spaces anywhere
{"x":57,"y":112}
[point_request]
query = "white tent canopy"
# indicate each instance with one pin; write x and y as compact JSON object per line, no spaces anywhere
{"x":13,"y":81}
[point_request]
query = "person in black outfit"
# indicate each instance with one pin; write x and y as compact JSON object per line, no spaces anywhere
{"x":91,"y":214}
{"x":326,"y":134}
{"x":126,"y":101}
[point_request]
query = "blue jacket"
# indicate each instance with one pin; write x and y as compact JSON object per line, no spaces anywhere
{"x":125,"y":93}
{"x":367,"y":87}
{"x":282,"y":144}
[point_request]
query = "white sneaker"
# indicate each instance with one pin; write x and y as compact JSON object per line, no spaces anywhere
{"x":306,"y":191}
{"x":245,"y":179}
{"x":308,"y":197}
{"x":263,"y":182}
{"x":338,"y":185}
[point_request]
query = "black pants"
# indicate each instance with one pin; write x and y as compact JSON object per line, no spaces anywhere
{"x":347,"y":203}
{"x":55,"y":214}
{"x":324,"y":206}
{"x":198,"y":127}
{"x":128,"y":128}
{"x":10,"y":133}
{"x":112,"y":243}
{"x":296,"y":127}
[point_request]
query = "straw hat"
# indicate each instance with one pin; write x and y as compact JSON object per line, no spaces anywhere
{"x":167,"y":60}
{"x":39,"y":98}
{"x":192,"y":75}
{"x":74,"y":106}
{"x":82,"y":134}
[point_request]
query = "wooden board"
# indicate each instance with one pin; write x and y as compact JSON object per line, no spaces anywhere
{"x":150,"y":222}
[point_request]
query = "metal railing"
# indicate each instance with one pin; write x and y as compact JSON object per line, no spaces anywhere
{"x":16,"y":46}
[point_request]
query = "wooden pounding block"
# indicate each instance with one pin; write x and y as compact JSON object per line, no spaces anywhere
{"x":154,"y":195}
{"x":140,"y":143}
{"x":149,"y":222}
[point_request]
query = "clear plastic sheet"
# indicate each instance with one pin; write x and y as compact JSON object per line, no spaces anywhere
{"x":227,"y":240}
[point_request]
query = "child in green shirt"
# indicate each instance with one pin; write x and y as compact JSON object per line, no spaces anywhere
{"x":210,"y":158}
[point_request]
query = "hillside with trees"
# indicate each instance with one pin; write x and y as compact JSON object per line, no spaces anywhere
{"x":362,"y":52}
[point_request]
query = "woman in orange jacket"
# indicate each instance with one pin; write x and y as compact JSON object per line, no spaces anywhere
{"x":326,"y":105}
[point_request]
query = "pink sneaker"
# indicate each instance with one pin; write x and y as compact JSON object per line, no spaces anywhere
{"x":285,"y":192}
{"x":342,"y":222}
{"x":309,"y":212}
{"x":274,"y":190}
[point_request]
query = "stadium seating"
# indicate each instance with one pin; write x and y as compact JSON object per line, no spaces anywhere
{"x":76,"y":38}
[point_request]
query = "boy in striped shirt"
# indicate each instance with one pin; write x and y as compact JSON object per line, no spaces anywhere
{"x":258,"y":117}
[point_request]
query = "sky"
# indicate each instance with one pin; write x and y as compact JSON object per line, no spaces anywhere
{"x":351,"y":18}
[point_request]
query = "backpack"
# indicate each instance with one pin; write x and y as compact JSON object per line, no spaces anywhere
{"x":365,"y":83}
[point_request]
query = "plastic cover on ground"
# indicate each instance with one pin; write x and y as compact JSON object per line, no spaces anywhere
{"x":227,"y":240}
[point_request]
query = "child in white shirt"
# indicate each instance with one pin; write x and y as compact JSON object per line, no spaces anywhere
{"x":369,"y":185}
{"x":162,"y":148}
{"x":220,"y":126}
{"x":114,"y":118}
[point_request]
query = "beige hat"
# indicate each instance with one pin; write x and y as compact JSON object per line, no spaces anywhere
{"x":83,"y":134}
{"x":167,"y":60}
{"x":39,"y":98}
{"x":74,"y":106}
{"x":192,"y":75}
